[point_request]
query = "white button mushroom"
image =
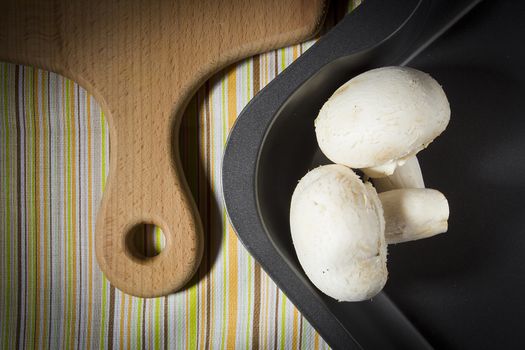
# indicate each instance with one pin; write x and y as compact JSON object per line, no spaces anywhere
{"x":380,"y":118}
{"x":339,"y":233}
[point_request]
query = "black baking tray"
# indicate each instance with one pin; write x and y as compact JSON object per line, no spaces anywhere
{"x":462,"y":289}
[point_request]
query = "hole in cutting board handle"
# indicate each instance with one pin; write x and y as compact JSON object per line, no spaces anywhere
{"x":145,"y":241}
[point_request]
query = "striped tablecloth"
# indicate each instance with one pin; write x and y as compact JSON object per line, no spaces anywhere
{"x":53,"y":165}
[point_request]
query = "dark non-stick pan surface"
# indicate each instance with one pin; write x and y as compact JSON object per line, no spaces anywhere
{"x":462,"y":289}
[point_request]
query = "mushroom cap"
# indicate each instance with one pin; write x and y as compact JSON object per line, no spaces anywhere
{"x":381,"y":117}
{"x":337,"y":229}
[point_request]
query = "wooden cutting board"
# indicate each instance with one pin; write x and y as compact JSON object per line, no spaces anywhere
{"x":143,"y":60}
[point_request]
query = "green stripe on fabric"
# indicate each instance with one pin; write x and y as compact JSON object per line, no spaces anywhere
{"x":7,"y":219}
{"x":283,"y":320}
{"x":29,"y":208}
{"x":138,"y":332}
{"x":283,"y":59}
{"x":103,"y":312}
{"x":157,"y":324}
{"x":352,"y":4}
{"x":193,"y":326}
{"x":159,"y":240}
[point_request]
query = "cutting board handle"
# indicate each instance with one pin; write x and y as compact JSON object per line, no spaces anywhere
{"x":157,"y":195}
{"x":129,"y":203}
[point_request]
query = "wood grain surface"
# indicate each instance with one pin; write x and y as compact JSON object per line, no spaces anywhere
{"x":143,"y":60}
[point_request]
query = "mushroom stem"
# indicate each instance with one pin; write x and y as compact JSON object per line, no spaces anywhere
{"x":406,"y":176}
{"x":412,"y":214}
{"x":382,"y":170}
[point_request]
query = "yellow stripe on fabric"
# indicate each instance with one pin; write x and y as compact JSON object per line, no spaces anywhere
{"x":233,"y":272}
{"x":224,"y":228}
{"x":316,"y":341}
